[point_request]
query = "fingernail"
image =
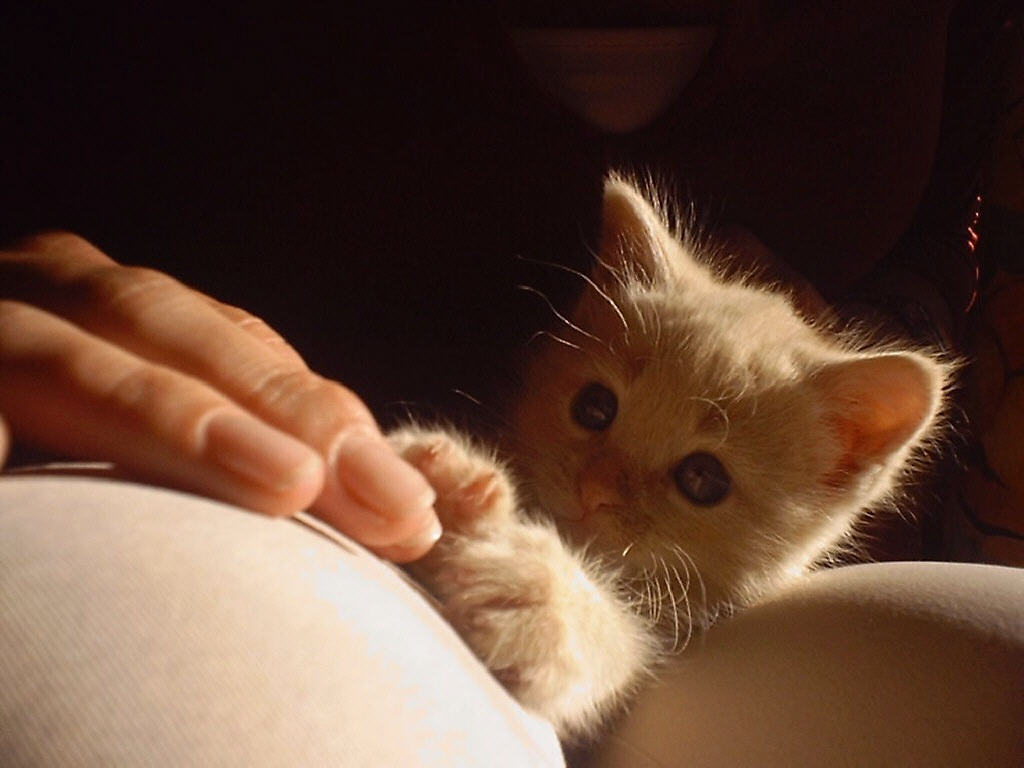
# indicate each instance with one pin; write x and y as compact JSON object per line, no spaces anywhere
{"x":425,"y":539}
{"x":373,"y":474}
{"x":259,"y":453}
{"x":415,"y":546}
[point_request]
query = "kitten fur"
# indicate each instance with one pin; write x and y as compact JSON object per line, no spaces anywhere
{"x":573,"y":564}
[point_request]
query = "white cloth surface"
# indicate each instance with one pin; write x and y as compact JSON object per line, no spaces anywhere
{"x":140,"y":626}
{"x":143,"y":627}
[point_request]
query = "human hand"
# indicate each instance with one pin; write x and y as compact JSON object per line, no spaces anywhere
{"x":105,"y":362}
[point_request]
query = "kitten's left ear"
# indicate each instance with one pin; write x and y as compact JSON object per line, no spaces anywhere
{"x":634,"y":240}
{"x":878,"y":408}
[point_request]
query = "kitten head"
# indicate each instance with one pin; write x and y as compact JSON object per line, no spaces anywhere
{"x":697,"y":431}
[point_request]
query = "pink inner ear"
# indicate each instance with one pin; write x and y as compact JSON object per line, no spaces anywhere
{"x":876,"y":406}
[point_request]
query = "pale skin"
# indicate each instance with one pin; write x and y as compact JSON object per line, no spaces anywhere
{"x":121,"y":364}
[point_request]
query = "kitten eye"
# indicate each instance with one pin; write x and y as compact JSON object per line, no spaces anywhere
{"x":702,"y":479}
{"x":595,"y":406}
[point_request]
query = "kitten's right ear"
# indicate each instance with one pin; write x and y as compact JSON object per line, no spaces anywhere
{"x":635,"y":243}
{"x":878,"y":408}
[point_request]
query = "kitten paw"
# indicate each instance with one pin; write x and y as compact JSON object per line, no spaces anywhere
{"x":471,"y":485}
{"x":557,"y":637}
{"x":549,"y":628}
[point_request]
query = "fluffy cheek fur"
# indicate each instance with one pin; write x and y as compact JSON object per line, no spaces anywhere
{"x":777,"y":519}
{"x":801,"y":474}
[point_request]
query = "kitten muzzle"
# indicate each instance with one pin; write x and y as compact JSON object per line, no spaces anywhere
{"x":602,"y":484}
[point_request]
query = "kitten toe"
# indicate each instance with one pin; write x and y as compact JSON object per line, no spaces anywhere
{"x":555,"y":636}
{"x":471,"y":485}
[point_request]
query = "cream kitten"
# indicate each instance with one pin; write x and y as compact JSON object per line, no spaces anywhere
{"x":687,"y":444}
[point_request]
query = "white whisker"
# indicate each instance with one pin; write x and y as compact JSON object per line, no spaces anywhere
{"x":684,"y":557}
{"x":553,"y":337}
{"x":685,"y":587}
{"x":721,"y":412}
{"x":652,"y":613}
{"x":463,"y":393}
{"x":614,"y":271}
{"x":659,"y":595}
{"x":589,"y":281}
{"x":672,"y":601}
{"x":559,"y":315}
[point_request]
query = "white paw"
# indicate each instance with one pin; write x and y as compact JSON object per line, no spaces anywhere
{"x":471,"y":485}
{"x":559,"y":638}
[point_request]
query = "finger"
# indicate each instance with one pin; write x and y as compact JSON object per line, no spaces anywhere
{"x":258,"y":329}
{"x":369,"y":493}
{"x":68,"y":391}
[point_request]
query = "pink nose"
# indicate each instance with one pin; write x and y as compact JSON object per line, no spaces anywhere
{"x":602,"y":483}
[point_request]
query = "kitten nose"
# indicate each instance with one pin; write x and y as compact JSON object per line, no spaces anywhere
{"x":602,"y":483}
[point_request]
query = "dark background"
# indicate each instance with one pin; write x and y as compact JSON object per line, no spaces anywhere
{"x":367,"y":182}
{"x":376,"y":181}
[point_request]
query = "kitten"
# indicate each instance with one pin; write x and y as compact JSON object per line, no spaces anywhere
{"x":686,"y":445}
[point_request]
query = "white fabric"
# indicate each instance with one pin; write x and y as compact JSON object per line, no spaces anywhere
{"x":898,"y":664}
{"x":143,"y":627}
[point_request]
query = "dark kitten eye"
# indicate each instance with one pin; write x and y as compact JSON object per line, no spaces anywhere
{"x":595,"y":406}
{"x":702,"y":479}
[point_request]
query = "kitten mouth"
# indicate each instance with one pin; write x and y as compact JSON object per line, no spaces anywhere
{"x":584,"y":526}
{"x":558,"y":505}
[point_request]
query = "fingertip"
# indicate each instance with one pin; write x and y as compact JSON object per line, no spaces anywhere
{"x":371,"y":527}
{"x":373,"y":495}
{"x":374,"y":475}
{"x":259,"y":453}
{"x":280,"y":475}
{"x":415,"y":546}
{"x":300,"y":494}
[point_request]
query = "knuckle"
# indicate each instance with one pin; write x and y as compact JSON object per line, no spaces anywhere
{"x":316,"y":404}
{"x":343,"y":400}
{"x":251,"y":323}
{"x":256,"y":326}
{"x":267,"y":335}
{"x":38,"y":267}
{"x":57,"y":254}
{"x":156,"y":397}
{"x":139,"y":388}
{"x":56,"y":240}
{"x":20,"y":326}
{"x":123,"y":288}
{"x":13,"y":313}
{"x":237,"y":315}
